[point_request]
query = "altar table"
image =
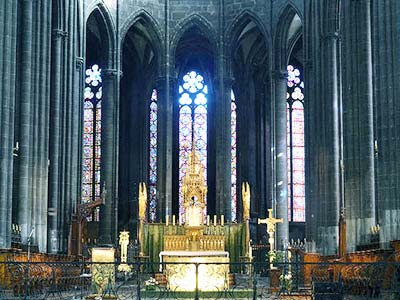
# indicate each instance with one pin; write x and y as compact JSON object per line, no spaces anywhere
{"x":213,"y":270}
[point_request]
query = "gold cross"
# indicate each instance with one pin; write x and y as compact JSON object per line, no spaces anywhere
{"x":270,"y":221}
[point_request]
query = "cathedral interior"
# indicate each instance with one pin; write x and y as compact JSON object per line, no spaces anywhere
{"x":294,"y":97}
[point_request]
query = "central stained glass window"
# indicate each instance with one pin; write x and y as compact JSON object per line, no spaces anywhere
{"x":192,"y":126}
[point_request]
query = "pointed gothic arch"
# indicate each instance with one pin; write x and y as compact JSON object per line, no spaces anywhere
{"x":282,"y":38}
{"x":100,"y":17}
{"x":240,"y":22}
{"x":152,"y":30}
{"x":201,"y":24}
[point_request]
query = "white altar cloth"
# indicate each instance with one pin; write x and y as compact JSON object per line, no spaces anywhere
{"x":192,"y":254}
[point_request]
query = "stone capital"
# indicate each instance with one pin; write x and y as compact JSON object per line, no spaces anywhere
{"x":331,"y":36}
{"x":111,"y":73}
{"x":59,"y":34}
{"x":279,"y":75}
{"x":226,"y":81}
{"x":162,"y":81}
{"x":79,"y":62}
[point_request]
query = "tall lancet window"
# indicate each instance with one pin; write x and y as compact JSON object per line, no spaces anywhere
{"x":92,"y":136}
{"x":153,"y":157}
{"x":233,"y":157}
{"x":295,"y":142}
{"x":192,"y":125}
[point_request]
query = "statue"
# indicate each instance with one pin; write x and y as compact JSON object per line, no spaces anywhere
{"x":246,"y":215}
{"x":142,"y":214}
{"x":103,"y":194}
{"x":246,"y":200}
{"x":142,"y":201}
{"x":124,"y":242}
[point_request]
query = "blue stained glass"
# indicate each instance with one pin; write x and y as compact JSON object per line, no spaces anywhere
{"x":153,"y":157}
{"x":91,"y":136}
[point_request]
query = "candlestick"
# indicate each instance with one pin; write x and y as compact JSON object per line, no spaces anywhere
{"x":180,"y":220}
{"x":173,"y":220}
{"x":251,"y":251}
{"x":215,"y":220}
{"x":222,"y":220}
{"x":208,"y":220}
{"x":166,"y":220}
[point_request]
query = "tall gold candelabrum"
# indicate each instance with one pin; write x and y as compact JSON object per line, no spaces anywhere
{"x":142,"y":214}
{"x":246,"y":214}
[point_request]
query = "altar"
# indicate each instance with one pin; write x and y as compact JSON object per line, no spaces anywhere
{"x":193,"y":251}
{"x":182,"y":255}
{"x":180,"y":269}
{"x":197,"y":254}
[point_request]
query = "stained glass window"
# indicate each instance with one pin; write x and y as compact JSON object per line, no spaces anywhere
{"x":92,"y":136}
{"x":233,"y":157}
{"x":295,"y":142}
{"x":192,"y":125}
{"x":153,"y":158}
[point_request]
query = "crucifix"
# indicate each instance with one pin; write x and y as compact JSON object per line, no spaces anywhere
{"x":270,"y":221}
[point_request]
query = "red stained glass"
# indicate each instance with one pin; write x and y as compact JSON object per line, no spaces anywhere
{"x":88,"y":128}
{"x":233,"y":158}
{"x":295,"y":139}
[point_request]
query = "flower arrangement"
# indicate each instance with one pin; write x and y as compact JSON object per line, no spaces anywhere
{"x":286,"y":282}
{"x":276,"y":257}
{"x":150,"y":284}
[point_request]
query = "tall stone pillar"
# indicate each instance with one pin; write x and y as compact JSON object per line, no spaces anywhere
{"x":222,"y":96}
{"x":77,"y":130}
{"x":366,"y":110}
{"x":330,"y":201}
{"x":55,"y":143}
{"x":166,"y":87}
{"x":8,"y":19}
{"x":280,"y":155}
{"x":109,"y":154}
{"x":25,"y":142}
{"x":358,"y":123}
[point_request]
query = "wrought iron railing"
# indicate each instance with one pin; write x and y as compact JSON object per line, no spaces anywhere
{"x":86,"y":280}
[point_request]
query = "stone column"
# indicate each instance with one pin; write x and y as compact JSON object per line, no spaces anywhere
{"x":55,"y":143}
{"x":358,"y":123}
{"x":77,"y":130}
{"x":42,"y":117}
{"x":166,"y":94}
{"x":109,"y":154}
{"x":387,"y":113}
{"x":24,"y":158}
{"x":8,"y":19}
{"x":366,"y":110}
{"x":223,"y":86}
{"x":280,"y":155}
{"x":330,"y":200}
